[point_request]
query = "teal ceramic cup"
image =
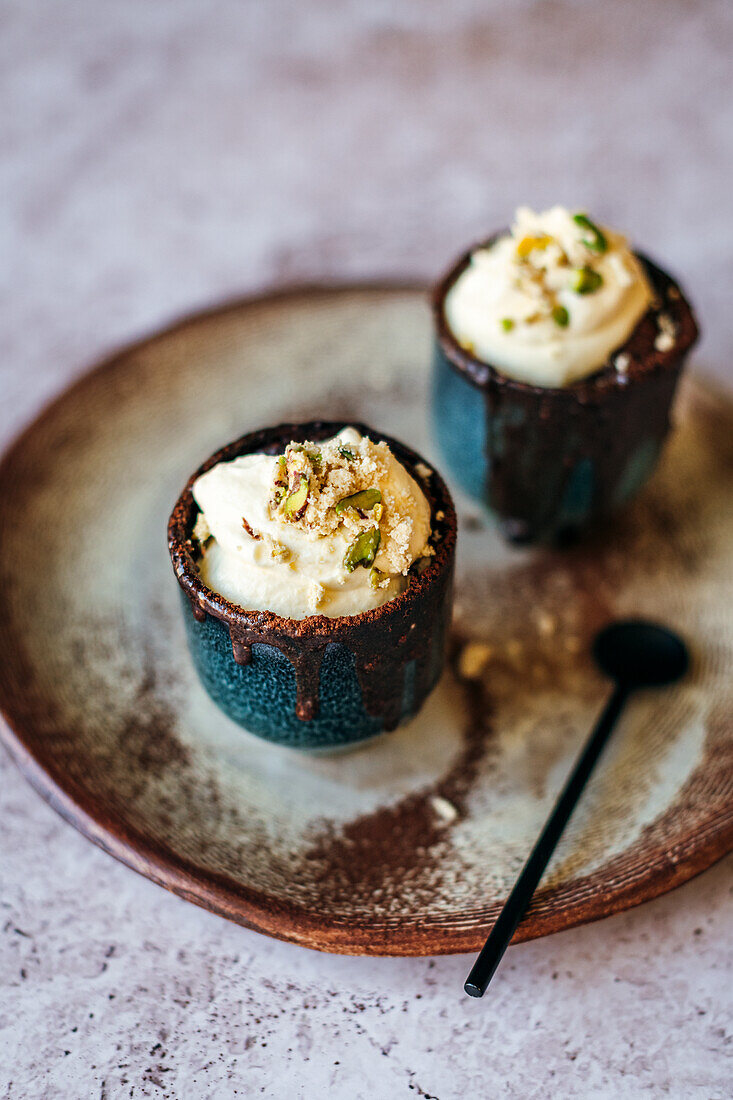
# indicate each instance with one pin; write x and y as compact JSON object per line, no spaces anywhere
{"x":319,"y":683}
{"x":548,"y":462}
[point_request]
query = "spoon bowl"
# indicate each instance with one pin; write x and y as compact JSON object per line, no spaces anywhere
{"x":637,"y":654}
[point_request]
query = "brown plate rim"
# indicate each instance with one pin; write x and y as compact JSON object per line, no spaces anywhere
{"x":658,"y":868}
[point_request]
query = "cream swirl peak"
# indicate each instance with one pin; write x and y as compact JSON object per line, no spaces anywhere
{"x":549,"y":302}
{"x":329,"y":528}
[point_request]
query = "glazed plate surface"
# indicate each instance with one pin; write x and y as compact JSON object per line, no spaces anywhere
{"x":409,"y":845}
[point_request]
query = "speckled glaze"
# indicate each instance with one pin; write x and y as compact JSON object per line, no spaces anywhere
{"x":549,"y":461}
{"x":319,"y":683}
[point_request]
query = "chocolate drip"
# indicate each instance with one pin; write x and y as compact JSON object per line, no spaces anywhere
{"x":199,"y":613}
{"x":425,"y":669}
{"x":242,"y":653}
{"x":307,"y":665}
{"x":381,"y":677}
{"x":382,"y":683}
{"x":589,"y":424}
{"x":382,"y":652}
{"x":304,"y":656}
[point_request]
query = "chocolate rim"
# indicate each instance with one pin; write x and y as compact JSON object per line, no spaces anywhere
{"x":267,"y":623}
{"x":644,"y":358}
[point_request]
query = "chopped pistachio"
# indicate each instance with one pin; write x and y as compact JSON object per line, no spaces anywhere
{"x":376,"y":576}
{"x":364,"y":500}
{"x":528,"y":244}
{"x":296,"y":500}
{"x":377,"y":512}
{"x":362,"y":550}
{"x":346,"y":453}
{"x":507,"y":324}
{"x":594,"y":238}
{"x":586,"y":280}
{"x":561,"y":316}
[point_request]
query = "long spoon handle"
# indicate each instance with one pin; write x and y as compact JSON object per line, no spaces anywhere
{"x":518,"y":901}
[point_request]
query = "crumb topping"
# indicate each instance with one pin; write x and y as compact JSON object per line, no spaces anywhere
{"x":201,"y":531}
{"x":346,"y":486}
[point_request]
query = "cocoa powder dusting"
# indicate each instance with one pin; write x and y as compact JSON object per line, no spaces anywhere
{"x":376,"y":850}
{"x":148,"y":734}
{"x":369,"y":859}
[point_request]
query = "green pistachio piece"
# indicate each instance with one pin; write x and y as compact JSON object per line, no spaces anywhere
{"x":346,"y":453}
{"x":362,"y":550}
{"x":586,"y":280}
{"x":296,"y":500}
{"x":363,"y":500}
{"x":594,"y":238}
{"x":561,"y":316}
{"x":376,"y":576}
{"x":507,"y":324}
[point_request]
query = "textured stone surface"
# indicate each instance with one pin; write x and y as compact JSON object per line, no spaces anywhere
{"x":159,"y":157}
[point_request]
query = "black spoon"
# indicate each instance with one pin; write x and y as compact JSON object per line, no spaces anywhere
{"x":634,"y":654}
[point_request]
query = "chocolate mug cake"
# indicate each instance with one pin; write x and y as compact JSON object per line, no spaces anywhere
{"x":557,"y":354}
{"x":316,"y":562}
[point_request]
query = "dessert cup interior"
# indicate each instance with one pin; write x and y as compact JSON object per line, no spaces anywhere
{"x":272,"y":441}
{"x":639,"y":346}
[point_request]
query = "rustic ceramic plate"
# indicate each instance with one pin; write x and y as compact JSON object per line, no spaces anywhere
{"x":409,"y":845}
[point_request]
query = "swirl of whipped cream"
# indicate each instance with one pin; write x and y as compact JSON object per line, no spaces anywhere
{"x":261,"y":558}
{"x":549,"y":302}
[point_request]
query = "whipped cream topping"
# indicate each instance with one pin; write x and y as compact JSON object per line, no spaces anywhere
{"x":549,"y":302}
{"x":289,"y":534}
